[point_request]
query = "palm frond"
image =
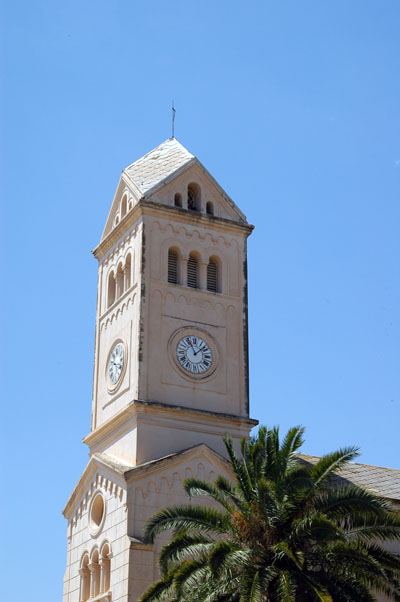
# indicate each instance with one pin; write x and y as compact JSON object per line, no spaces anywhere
{"x":218,"y":554}
{"x":255,"y":592}
{"x":285,"y":588}
{"x":183,"y":576}
{"x":369,"y":526}
{"x":349,"y":590}
{"x":183,"y":547}
{"x":331,"y":463}
{"x":187,"y":517}
{"x":239,"y":471}
{"x":349,"y":501}
{"x":250,"y":584}
{"x":227,"y":490}
{"x":317,"y":527}
{"x":271,"y":454}
{"x":160,"y":590}
{"x":283,"y":551}
{"x":292,"y":442}
{"x":248,"y":463}
{"x":266,"y":500}
{"x":353,"y":559}
{"x":385,"y":558}
{"x":194,"y":486}
{"x":284,"y":532}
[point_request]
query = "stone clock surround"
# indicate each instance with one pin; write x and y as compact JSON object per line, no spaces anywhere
{"x":190,"y":331}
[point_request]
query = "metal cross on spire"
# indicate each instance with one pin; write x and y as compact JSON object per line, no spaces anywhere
{"x":173,"y":120}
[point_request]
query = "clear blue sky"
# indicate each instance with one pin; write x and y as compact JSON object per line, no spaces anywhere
{"x":294,"y":107}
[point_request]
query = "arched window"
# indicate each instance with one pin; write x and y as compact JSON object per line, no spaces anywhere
{"x":192,"y":271}
{"x":95,"y":576}
{"x":178,"y":200}
{"x":120,"y":281}
{"x":193,"y":197}
{"x":210,"y":208}
{"x":111,"y":289}
{"x":127,"y":272}
{"x":213,"y":277}
{"x":105,"y":569}
{"x":123,"y":206}
{"x":84,"y":573}
{"x":172,"y":266}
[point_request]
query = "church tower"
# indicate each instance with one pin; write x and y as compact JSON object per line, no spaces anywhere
{"x":170,"y":367}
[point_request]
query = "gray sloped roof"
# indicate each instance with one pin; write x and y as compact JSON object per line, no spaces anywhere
{"x":158,"y":164}
{"x":379,"y":480}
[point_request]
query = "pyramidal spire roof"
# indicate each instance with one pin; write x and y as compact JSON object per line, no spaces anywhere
{"x":158,"y":164}
{"x":154,"y":170}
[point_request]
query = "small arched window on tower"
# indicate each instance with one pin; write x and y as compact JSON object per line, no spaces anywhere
{"x":85,"y":579}
{"x":178,"y":200}
{"x":172,"y":266}
{"x":210,"y":208}
{"x":213,"y":276}
{"x":120,"y":281}
{"x":127,"y":272}
{"x":111,"y":289}
{"x":123,"y":205}
{"x":192,"y":271}
{"x":193,"y":197}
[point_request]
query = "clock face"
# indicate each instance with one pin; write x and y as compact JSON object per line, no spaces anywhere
{"x":194,"y":354}
{"x":116,"y":363}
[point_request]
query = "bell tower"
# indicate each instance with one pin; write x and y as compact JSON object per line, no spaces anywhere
{"x":170,"y":366}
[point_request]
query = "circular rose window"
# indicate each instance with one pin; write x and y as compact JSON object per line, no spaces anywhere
{"x":97,"y":512}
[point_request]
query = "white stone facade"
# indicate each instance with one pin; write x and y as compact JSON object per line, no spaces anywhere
{"x":158,"y":423}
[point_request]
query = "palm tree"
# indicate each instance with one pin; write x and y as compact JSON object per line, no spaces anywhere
{"x":282,"y":532}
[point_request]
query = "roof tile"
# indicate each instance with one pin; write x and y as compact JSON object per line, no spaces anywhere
{"x":158,"y":164}
{"x":384,"y":481}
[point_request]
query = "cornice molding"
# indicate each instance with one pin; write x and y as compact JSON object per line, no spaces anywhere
{"x":201,"y":451}
{"x":156,"y":409}
{"x":145,"y":207}
{"x":116,"y":233}
{"x":94,"y":465}
{"x":137,"y":544}
{"x":195,"y":217}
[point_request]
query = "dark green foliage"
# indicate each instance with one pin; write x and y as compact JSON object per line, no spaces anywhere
{"x":284,"y":532}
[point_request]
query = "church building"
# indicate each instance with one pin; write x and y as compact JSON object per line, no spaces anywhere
{"x":170,"y":369}
{"x":170,"y":366}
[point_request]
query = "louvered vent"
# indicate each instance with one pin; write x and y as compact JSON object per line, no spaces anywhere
{"x":191,"y":200}
{"x":212,"y":284}
{"x":172,"y":267}
{"x":192,"y":272}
